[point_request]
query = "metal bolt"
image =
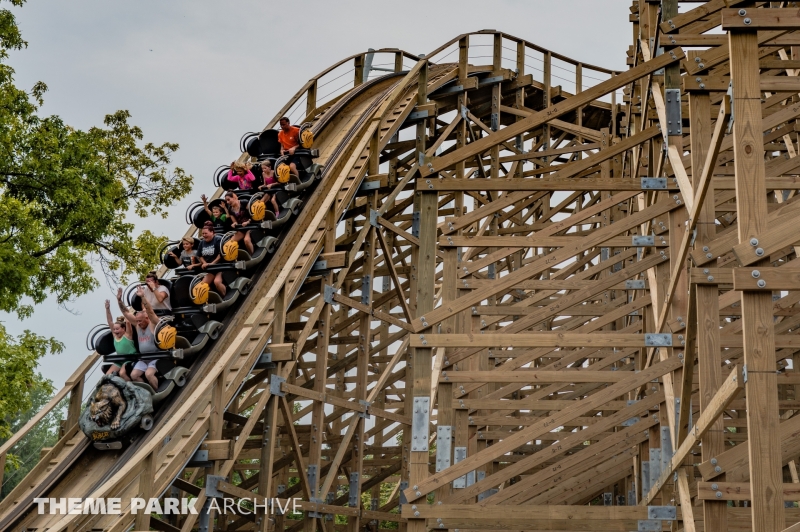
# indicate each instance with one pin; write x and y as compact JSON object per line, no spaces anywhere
{"x":719,"y":493}
{"x":742,"y":12}
{"x":701,"y":65}
{"x":416,"y":514}
{"x":705,"y":248}
{"x":747,"y":21}
{"x":710,"y":278}
{"x":761,"y":283}
{"x":759,"y":252}
{"x":705,"y":271}
{"x":756,"y":274}
{"x":696,"y":59}
{"x":718,"y":469}
{"x":714,"y":462}
{"x":709,"y":255}
{"x":418,"y":494}
{"x":754,"y":242}
{"x":698,"y":79}
{"x":714,"y":486}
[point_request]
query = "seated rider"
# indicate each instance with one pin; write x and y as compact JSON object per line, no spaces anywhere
{"x":155,"y":293}
{"x":144,"y":321}
{"x":240,"y":217}
{"x":219,"y":219}
{"x":289,"y":137}
{"x":240,"y":174}
{"x":187,"y":258}
{"x":270,"y":182}
{"x":123,"y":341}
{"x":210,"y":252}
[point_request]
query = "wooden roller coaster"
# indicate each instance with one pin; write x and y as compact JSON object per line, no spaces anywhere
{"x":528,"y":294}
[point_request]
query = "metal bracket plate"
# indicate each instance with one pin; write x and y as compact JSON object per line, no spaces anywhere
{"x":212,"y":481}
{"x":645,"y":476}
{"x":672,"y":102}
{"x":649,"y":525}
{"x":365,"y":413}
{"x":444,"y":445}
{"x":655,"y":465}
{"x":366,"y":289}
{"x":420,"y":422}
{"x":316,"y":500}
{"x":373,"y":218}
{"x":403,"y":499}
{"x":415,"y":224}
{"x":654,"y":183}
{"x":635,"y":284}
{"x":486,"y":494}
{"x":199,"y":459}
{"x":275,"y":385}
{"x":418,"y":115}
{"x":662,"y":512}
{"x":368,"y":186}
{"x":643,"y":240}
{"x":353,"y":498}
{"x":327,"y":294}
{"x":459,"y":454}
{"x":312,"y":479}
{"x":658,"y":340}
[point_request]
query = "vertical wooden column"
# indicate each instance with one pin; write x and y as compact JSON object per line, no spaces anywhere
{"x":497,"y":58}
{"x":418,"y":386}
{"x":320,"y":373}
{"x":715,"y":513}
{"x":548,"y":62}
{"x":757,"y":328}
{"x":365,"y":338}
{"x":268,"y":446}
{"x":147,"y":471}
{"x":311,"y":99}
{"x":398,"y":61}
{"x":75,"y":402}
{"x":579,"y":112}
{"x":358,"y":70}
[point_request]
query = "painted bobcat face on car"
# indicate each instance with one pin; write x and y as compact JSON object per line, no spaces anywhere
{"x":107,"y":405}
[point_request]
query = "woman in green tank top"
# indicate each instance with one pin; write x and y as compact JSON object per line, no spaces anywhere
{"x":123,"y":340}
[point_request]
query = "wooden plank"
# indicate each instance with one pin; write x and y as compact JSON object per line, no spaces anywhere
{"x":542,"y":339}
{"x":738,"y":491}
{"x":766,"y":279}
{"x":762,"y":19}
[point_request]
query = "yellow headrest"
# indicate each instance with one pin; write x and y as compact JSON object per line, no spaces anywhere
{"x":230,"y":250}
{"x":166,"y":337}
{"x":257,"y":211}
{"x":306,"y":138}
{"x":200,"y":293}
{"x":283,"y":172}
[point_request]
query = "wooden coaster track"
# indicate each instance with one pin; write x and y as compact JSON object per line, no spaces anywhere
{"x":516,"y":301}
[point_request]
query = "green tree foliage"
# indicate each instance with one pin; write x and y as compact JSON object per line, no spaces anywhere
{"x":44,"y":434}
{"x":67,"y":201}
{"x":20,"y":382}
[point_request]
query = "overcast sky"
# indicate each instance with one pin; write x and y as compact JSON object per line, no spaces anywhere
{"x":201,"y":73}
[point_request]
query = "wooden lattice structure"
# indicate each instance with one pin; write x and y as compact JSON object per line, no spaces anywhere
{"x":517,"y":301}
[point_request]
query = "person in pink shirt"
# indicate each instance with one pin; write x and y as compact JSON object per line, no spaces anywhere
{"x":240,"y":174}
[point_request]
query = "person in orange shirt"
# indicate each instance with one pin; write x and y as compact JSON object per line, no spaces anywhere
{"x":289,"y":137}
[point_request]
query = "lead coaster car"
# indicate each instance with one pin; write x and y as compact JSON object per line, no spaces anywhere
{"x":115,"y":409}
